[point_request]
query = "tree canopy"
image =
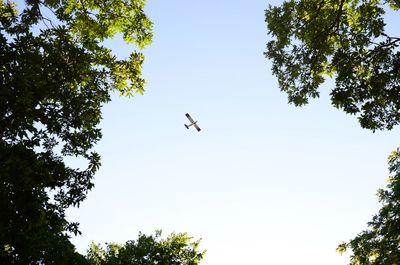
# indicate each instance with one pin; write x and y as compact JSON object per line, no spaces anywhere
{"x":176,"y":249}
{"x":346,"y":41}
{"x":380,"y":244}
{"x":55,"y":75}
{"x":342,"y":39}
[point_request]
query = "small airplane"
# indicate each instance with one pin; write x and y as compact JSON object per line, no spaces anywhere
{"x":192,"y":122}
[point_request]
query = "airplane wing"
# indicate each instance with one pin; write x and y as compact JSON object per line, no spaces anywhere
{"x":190,"y":118}
{"x":197,"y":127}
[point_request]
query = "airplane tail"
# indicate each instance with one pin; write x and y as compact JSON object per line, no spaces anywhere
{"x":187,"y":127}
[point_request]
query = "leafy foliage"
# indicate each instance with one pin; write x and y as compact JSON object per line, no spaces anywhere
{"x":55,"y":75}
{"x":380,"y":244}
{"x":176,"y":249}
{"x":344,"y":39}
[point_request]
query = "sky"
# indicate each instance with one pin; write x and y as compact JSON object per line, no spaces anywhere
{"x":264,"y":182}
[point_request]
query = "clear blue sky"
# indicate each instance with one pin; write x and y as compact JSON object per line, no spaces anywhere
{"x":263,"y":182}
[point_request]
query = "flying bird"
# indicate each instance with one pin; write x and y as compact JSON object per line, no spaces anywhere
{"x":192,"y":122}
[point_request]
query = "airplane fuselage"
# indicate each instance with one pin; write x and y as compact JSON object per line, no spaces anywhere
{"x":193,"y":123}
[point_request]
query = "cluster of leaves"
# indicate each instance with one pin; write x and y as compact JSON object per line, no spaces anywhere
{"x":346,"y":40}
{"x":380,"y":244}
{"x":312,"y":39}
{"x":55,"y":75}
{"x":176,"y":249}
